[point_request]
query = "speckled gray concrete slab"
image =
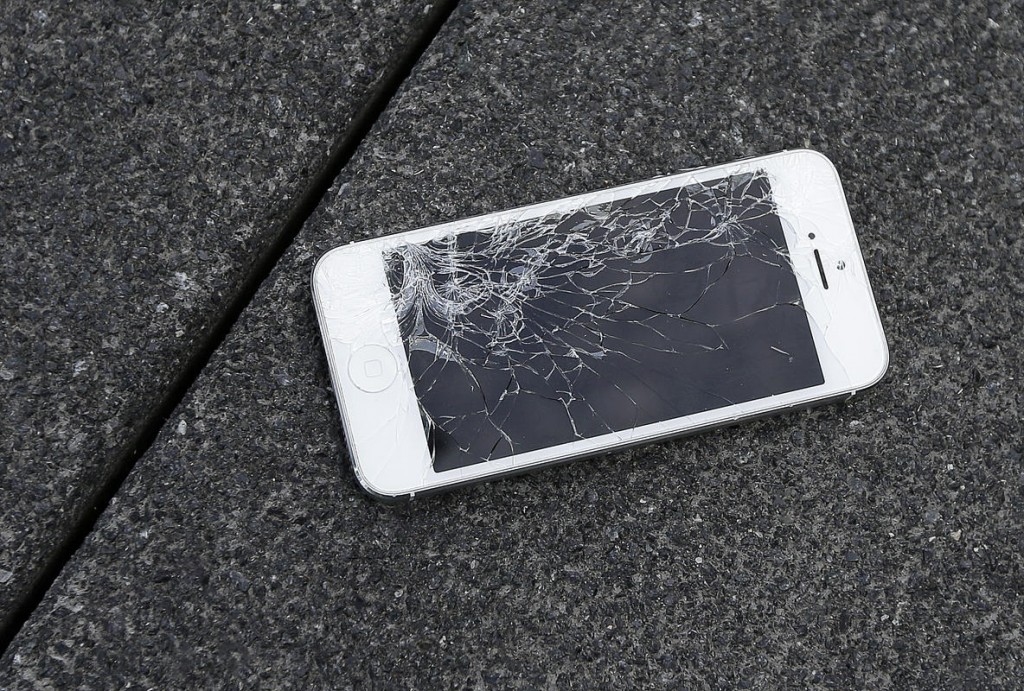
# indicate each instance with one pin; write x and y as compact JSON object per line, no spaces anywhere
{"x":873,"y":543}
{"x":147,"y":156}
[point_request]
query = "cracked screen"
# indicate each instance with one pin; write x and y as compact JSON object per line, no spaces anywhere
{"x":549,"y":330}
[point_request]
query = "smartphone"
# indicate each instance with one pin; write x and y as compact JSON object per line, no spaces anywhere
{"x":503,"y":343}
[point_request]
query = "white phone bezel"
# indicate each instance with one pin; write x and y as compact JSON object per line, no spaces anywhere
{"x":384,"y":429}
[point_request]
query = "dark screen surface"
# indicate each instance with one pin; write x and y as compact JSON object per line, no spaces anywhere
{"x":549,"y":330}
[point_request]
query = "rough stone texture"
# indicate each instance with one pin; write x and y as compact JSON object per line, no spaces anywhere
{"x":874,"y":543}
{"x":147,"y":155}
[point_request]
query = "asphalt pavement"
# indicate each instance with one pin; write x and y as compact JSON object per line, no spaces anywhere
{"x":152,"y":158}
{"x":873,"y":543}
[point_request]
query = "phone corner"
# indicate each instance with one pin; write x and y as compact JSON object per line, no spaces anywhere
{"x":381,"y":494}
{"x":320,"y":264}
{"x":814,"y":157}
{"x":878,"y":372}
{"x":388,"y":499}
{"x":810,"y":153}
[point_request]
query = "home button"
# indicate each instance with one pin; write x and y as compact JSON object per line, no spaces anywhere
{"x":372,"y":368}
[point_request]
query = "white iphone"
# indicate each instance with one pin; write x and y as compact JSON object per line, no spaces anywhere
{"x":523,"y":338}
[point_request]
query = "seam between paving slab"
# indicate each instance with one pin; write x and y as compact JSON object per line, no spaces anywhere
{"x":341,"y":152}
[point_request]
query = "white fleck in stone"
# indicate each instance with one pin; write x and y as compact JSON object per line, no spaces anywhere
{"x":699,"y":560}
{"x":956,"y":535}
{"x":5,"y":576}
{"x":162,"y":307}
{"x":69,"y":604}
{"x":77,"y":442}
{"x":182,"y":427}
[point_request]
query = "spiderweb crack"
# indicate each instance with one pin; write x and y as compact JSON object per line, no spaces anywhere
{"x":562,"y":327}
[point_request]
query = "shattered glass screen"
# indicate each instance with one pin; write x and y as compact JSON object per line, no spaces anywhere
{"x":549,"y":330}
